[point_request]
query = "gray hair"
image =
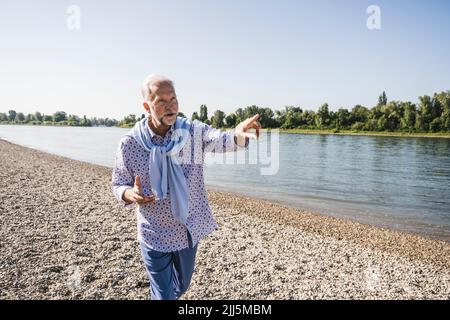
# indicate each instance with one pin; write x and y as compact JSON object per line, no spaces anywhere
{"x":150,"y":81}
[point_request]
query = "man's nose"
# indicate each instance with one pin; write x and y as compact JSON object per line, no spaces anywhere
{"x":170,"y":106}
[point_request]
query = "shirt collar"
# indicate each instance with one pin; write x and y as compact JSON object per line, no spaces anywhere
{"x":153,"y":134}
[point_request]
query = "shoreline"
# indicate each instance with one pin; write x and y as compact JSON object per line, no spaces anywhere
{"x":443,"y":135}
{"x":84,"y":246}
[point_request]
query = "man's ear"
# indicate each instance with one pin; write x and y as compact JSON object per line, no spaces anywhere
{"x":146,"y":106}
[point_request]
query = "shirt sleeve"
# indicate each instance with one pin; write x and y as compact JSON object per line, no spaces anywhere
{"x":217,"y":141}
{"x":122,"y":177}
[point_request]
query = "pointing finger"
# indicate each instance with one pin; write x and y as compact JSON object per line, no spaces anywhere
{"x":257,"y":127}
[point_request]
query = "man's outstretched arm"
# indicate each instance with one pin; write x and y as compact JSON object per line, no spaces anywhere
{"x":217,"y":141}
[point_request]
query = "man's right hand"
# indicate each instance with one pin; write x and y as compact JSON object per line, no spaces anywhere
{"x":136,"y":194}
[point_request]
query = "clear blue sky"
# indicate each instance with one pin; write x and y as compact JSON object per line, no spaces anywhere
{"x":223,"y":53}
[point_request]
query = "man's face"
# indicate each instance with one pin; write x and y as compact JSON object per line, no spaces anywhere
{"x":163,"y":104}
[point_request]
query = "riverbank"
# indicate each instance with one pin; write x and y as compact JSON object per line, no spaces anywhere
{"x":300,"y":131}
{"x":370,"y":133}
{"x":64,"y":236}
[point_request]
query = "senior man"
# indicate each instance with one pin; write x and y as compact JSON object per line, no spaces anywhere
{"x":159,"y":168}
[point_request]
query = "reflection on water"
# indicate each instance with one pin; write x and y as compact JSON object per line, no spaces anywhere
{"x":395,"y":182}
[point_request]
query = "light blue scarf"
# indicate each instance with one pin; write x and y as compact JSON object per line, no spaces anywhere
{"x":166,"y":173}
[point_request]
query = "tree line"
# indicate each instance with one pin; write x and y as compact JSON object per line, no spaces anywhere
{"x":58,"y":118}
{"x":430,"y":114}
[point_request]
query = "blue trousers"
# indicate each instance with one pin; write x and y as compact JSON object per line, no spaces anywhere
{"x":170,"y":273}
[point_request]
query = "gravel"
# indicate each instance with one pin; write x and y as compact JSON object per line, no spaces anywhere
{"x":63,"y":236}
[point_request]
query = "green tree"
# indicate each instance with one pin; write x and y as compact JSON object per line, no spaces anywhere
{"x":333,"y":120}
{"x":250,"y":111}
{"x":359,"y":114}
{"x":59,"y":116}
{"x":38,"y":116}
{"x":323,"y":117}
{"x":20,"y":117}
{"x":12,"y":115}
{"x":373,"y":122}
{"x":231,"y":120}
{"x":382,"y":99}
{"x":343,"y":119}
{"x":29,"y":118}
{"x":129,"y":121}
{"x":280,"y":117}
{"x":217,"y":120}
{"x":444,"y":100}
{"x":424,"y":114}
{"x":195,"y":116}
{"x":436,"y":107}
{"x":95,"y":122}
{"x":358,"y":126}
{"x":85,"y":122}
{"x":392,"y":113}
{"x":240,"y":116}
{"x":289,"y":118}
{"x":203,"y":113}
{"x":3,"y":117}
{"x":381,"y":121}
{"x":408,"y":120}
{"x":266,"y":117}
{"x":436,"y":125}
{"x":73,"y":120}
{"x":307,"y":119}
{"x":110,"y":122}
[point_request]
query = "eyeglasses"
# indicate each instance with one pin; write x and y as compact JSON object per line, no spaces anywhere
{"x":162,"y":103}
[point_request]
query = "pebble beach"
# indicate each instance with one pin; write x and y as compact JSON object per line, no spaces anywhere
{"x":64,"y":236}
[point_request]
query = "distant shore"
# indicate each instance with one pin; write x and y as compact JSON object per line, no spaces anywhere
{"x":64,"y":236}
{"x":369,"y":133}
{"x":445,"y":135}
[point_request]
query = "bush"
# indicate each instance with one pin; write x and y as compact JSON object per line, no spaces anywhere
{"x":358,"y":126}
{"x":436,"y":125}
